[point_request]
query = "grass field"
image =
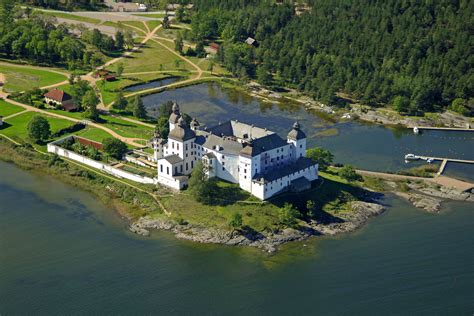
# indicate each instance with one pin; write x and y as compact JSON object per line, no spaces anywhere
{"x":136,"y":24}
{"x":150,"y":58}
{"x":72,"y":17}
{"x":151,"y":15}
{"x":127,"y":129}
{"x":153,"y":24}
{"x":17,"y":127}
{"x":7,"y":109}
{"x":124,"y":26}
{"x":21,"y":78}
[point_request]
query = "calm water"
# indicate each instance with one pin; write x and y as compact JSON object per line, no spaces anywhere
{"x":365,"y":146}
{"x":152,"y":84}
{"x":62,"y":252}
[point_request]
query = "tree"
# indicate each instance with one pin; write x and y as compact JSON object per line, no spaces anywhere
{"x":138,"y":108}
{"x":39,"y":129}
{"x":129,"y":41}
{"x":323,"y":157}
{"x":180,"y":14}
{"x":459,"y":105}
{"x":236,"y":221}
{"x":119,"y":69}
{"x":114,"y":147}
{"x":200,"y":52}
{"x":178,"y":44}
{"x":210,"y":67}
{"x":166,"y":22}
{"x":401,"y":104}
{"x":120,"y":102}
{"x":119,"y":40}
{"x":288,"y":215}
{"x":90,"y":101}
{"x":348,"y":172}
{"x":201,"y":187}
{"x":177,"y":63}
{"x":264,"y":75}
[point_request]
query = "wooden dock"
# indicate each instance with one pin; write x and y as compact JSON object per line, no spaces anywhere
{"x":444,"y":162}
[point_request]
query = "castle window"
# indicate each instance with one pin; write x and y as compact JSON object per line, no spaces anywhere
{"x":161,"y":168}
{"x":172,"y":145}
{"x":167,"y":170}
{"x":192,"y":164}
{"x":301,"y":146}
{"x":177,"y":146}
{"x":187,"y":167}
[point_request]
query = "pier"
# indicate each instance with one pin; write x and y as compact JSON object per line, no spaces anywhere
{"x":444,"y":162}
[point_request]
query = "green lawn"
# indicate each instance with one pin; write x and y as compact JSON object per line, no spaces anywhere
{"x":136,"y":24}
{"x":17,"y":127}
{"x":121,"y":25}
{"x":93,"y":133}
{"x":150,"y":58}
{"x":21,"y":78}
{"x":72,"y":17}
{"x":151,"y":15}
{"x":7,"y":109}
{"x":127,"y":129}
{"x":153,"y":24}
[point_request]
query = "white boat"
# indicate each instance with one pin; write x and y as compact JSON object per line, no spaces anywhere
{"x":411,"y":157}
{"x":430,"y":160}
{"x":416,"y":130}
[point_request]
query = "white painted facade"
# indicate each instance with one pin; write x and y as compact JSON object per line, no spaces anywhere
{"x":258,"y":160}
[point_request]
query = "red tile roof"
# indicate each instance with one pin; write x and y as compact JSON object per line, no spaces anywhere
{"x":57,"y":95}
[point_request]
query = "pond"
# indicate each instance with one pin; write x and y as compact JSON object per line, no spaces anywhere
{"x":152,"y":84}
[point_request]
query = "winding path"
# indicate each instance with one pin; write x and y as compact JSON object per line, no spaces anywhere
{"x":127,"y":140}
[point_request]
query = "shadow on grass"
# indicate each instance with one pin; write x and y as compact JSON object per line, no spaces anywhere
{"x":5,"y":125}
{"x":326,"y":195}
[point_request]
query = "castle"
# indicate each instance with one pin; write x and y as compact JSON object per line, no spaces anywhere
{"x":259,"y":160}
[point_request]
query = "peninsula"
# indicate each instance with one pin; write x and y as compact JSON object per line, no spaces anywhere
{"x":73,"y":106}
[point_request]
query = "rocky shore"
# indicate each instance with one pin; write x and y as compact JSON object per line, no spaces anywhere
{"x":383,"y":116}
{"x":431,"y":197}
{"x":267,"y":241}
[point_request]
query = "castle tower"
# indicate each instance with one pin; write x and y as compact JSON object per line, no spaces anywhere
{"x":158,"y":143}
{"x":298,"y":138}
{"x":175,"y":116}
{"x":194,"y":124}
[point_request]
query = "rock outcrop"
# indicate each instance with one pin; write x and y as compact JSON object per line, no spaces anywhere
{"x":267,"y":241}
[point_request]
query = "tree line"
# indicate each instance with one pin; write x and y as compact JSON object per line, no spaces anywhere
{"x":34,"y":37}
{"x":416,"y":54}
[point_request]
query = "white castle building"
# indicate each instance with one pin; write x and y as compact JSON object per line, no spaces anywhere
{"x":259,"y":160}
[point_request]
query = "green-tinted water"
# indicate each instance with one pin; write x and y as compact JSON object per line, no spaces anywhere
{"x":62,"y":252}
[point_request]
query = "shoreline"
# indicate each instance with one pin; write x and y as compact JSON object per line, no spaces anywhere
{"x":142,"y":212}
{"x":355,"y":111}
{"x":360,"y":214}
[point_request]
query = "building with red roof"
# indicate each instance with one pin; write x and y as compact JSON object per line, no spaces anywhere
{"x":60,"y":98}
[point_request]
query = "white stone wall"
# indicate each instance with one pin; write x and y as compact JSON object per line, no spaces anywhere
{"x":275,"y":158}
{"x":227,"y":167}
{"x":53,"y":148}
{"x":269,"y":189}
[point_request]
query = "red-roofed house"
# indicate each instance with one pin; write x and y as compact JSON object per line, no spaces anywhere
{"x":59,"y":97}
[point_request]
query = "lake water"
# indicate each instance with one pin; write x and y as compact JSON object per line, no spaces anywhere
{"x":365,"y":146}
{"x":63,"y":252}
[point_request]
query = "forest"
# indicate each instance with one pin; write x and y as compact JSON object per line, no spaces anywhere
{"x":34,"y":37}
{"x":416,"y":55}
{"x":65,"y":4}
